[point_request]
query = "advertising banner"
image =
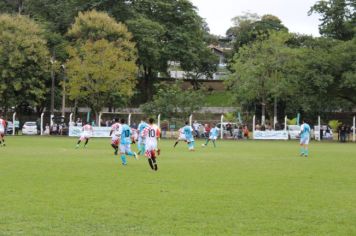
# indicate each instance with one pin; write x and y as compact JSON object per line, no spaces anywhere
{"x":98,"y":132}
{"x":270,"y":135}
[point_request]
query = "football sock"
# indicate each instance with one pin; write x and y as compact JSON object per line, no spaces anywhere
{"x":214,"y":143}
{"x":142,"y":150}
{"x":78,"y":142}
{"x":123,"y":159}
{"x":207,"y":141}
{"x":175,"y":144}
{"x":86,"y":142}
{"x":130,"y":153}
{"x":154,"y":163}
{"x":306,"y":152}
{"x":151,"y":163}
{"x":301,"y":151}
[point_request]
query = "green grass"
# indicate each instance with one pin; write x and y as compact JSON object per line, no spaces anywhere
{"x":218,"y":99}
{"x":240,"y":188}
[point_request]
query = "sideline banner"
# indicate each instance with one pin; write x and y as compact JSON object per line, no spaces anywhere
{"x":98,"y":132}
{"x":270,"y":135}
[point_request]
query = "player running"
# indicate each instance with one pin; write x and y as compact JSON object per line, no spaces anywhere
{"x":188,"y":132}
{"x":181,"y":137}
{"x":87,"y":132}
{"x":304,"y":139}
{"x":115,"y":136}
{"x":125,"y":142}
{"x":2,"y":131}
{"x":151,"y":134}
{"x":213,"y":135}
{"x":141,"y":140}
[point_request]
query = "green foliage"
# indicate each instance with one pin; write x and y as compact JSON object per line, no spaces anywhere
{"x":172,"y":101}
{"x":338,"y":18}
{"x":334,"y":124}
{"x":24,"y":62}
{"x":218,"y":99}
{"x":251,"y":27}
{"x":101,"y":63}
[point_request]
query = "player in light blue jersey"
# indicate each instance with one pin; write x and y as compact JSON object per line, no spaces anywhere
{"x":188,"y":132}
{"x":125,"y":142}
{"x":304,"y":139}
{"x":213,"y":135}
{"x":141,"y":141}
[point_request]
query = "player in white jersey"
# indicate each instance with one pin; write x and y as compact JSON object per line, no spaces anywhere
{"x":213,"y":135}
{"x":181,"y":137}
{"x":87,"y":132}
{"x":2,"y":131}
{"x":115,"y":136}
{"x":304,"y":139}
{"x":151,"y":135}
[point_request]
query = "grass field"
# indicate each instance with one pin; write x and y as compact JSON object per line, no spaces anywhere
{"x":239,"y":188}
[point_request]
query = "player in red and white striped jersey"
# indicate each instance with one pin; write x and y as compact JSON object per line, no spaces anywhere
{"x":115,"y":136}
{"x":87,"y":132}
{"x":2,"y":131}
{"x":151,"y":135}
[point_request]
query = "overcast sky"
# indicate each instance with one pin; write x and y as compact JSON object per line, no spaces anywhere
{"x":293,"y":13}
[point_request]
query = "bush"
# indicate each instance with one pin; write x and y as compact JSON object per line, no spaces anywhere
{"x":334,"y":124}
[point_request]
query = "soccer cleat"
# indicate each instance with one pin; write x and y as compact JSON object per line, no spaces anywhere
{"x":136,"y":156}
{"x":115,"y":153}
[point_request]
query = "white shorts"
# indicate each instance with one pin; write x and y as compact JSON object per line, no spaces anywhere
{"x":125,"y":148}
{"x":2,"y":130}
{"x":115,"y":140}
{"x":150,"y":146}
{"x":85,"y":135}
{"x":182,"y":137}
{"x":213,"y":137}
{"x":304,"y":140}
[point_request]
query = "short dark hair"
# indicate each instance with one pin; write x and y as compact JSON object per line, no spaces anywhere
{"x":187,"y":122}
{"x":116,"y":119}
{"x":151,"y":120}
{"x":122,"y":121}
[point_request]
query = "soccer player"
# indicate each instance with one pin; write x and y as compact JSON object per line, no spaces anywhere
{"x":213,"y":135}
{"x":141,"y":141}
{"x":2,"y":131}
{"x":304,"y":139}
{"x":151,"y":134}
{"x":87,"y":132}
{"x":125,"y":142}
{"x":181,"y":137}
{"x":188,"y":132}
{"x":115,"y":136}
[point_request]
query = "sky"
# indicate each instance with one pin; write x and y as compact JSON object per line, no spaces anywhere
{"x":293,"y":13}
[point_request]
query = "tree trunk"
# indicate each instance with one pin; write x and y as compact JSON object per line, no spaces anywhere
{"x":263,"y":120}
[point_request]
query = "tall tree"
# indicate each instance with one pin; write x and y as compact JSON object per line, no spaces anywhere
{"x":24,"y":61}
{"x":338,"y":18}
{"x":102,"y":60}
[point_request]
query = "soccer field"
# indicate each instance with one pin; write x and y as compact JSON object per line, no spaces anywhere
{"x":239,"y":188}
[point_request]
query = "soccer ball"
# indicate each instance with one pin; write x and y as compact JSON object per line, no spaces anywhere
{"x":203,"y":145}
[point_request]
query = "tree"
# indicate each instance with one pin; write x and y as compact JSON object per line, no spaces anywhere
{"x":24,"y":62}
{"x":101,"y":61}
{"x":338,"y":18}
{"x":250,"y":27}
{"x":260,"y":71}
{"x":171,"y":101}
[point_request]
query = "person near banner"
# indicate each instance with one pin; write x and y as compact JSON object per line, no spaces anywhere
{"x":304,"y":138}
{"x":115,"y":136}
{"x":213,"y":135}
{"x":141,"y":140}
{"x":181,"y":137}
{"x":125,"y":142}
{"x":2,"y":131}
{"x":151,"y":135}
{"x":188,"y":133}
{"x":87,"y":133}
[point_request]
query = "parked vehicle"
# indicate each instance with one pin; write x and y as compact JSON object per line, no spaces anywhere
{"x":9,"y":127}
{"x":30,"y":128}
